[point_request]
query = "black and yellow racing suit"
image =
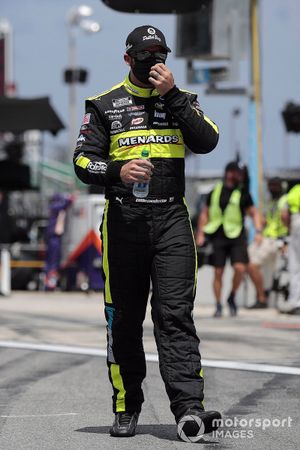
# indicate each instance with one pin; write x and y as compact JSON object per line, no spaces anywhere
{"x":148,"y":238}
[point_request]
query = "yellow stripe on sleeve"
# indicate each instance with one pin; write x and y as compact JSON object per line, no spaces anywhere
{"x":207,"y":119}
{"x":82,"y":161}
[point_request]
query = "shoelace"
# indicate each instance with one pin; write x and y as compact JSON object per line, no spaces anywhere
{"x":125,"y":418}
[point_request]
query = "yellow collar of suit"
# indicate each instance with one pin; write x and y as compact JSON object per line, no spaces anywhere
{"x":139,"y":91}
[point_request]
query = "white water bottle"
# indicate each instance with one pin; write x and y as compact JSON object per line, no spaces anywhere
{"x":141,"y":188}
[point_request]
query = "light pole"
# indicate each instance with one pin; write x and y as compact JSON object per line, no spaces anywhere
{"x":76,"y":18}
{"x":7,"y":86}
{"x":255,"y":106}
{"x":234,"y":142}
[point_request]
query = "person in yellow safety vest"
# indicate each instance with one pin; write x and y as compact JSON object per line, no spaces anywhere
{"x":265,"y":254}
{"x":291,"y":218}
{"x":222,"y":222}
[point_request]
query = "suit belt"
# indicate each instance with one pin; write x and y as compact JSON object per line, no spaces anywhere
{"x":146,"y":201}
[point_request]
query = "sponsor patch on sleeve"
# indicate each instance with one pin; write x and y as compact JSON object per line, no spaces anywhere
{"x":86,"y":119}
{"x":196,"y":106}
{"x":97,"y":167}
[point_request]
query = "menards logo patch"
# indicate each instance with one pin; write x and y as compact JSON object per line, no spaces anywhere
{"x":152,"y":139}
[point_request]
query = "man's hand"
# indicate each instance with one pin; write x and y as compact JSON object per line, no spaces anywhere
{"x":136,"y":170}
{"x":161,"y":78}
{"x":200,"y":239}
{"x":258,"y":238}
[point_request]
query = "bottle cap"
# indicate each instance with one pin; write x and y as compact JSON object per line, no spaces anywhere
{"x":145,"y":153}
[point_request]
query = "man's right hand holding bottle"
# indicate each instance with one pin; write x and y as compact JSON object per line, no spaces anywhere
{"x":136,"y":170}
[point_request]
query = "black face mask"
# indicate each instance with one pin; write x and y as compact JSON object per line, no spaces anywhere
{"x":141,"y":69}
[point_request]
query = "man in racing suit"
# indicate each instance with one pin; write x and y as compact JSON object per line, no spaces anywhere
{"x":148,"y":237}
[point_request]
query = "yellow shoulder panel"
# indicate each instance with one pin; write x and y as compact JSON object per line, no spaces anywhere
{"x":188,"y":92}
{"x":106,"y":92}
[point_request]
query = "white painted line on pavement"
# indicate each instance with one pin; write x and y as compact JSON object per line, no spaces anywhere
{"x":39,"y":415}
{"x":152,"y":357}
{"x":89,"y":351}
{"x":252,"y":367}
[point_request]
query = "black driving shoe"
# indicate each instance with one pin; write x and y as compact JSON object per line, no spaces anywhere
{"x":258,"y":305}
{"x":295,"y":311}
{"x":124,"y":424}
{"x":232,"y":305}
{"x":194,"y":423}
{"x":218,"y":311}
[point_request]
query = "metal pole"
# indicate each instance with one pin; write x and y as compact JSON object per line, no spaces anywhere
{"x":72,"y":92}
{"x":256,"y":147}
{"x":5,"y":278}
{"x":6,"y":31}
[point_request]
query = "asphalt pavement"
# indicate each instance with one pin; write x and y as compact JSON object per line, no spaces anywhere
{"x":55,"y":398}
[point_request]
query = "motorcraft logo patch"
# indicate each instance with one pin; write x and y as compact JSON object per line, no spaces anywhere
{"x":137,"y":121}
{"x":152,"y":139}
{"x":117,"y":102}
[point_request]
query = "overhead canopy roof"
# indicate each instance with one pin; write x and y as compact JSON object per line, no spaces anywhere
{"x":157,"y":6}
{"x":18,"y":115}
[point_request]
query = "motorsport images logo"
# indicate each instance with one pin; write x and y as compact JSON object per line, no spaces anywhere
{"x":245,"y":428}
{"x":190,"y":428}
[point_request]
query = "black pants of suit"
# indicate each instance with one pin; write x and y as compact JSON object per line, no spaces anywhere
{"x":143,"y":242}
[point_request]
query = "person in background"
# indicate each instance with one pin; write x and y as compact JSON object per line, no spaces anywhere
{"x":59,"y":203}
{"x":291,"y":218}
{"x":222,"y":222}
{"x":265,"y":254}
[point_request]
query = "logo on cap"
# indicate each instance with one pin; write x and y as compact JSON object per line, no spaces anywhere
{"x":151,"y":31}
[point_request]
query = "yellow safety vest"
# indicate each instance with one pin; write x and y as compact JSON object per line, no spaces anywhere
{"x":293,"y":199}
{"x":275,"y":228}
{"x":231,"y":218}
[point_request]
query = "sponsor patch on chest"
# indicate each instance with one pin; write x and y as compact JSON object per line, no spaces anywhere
{"x":160,"y":115}
{"x":135,"y":108}
{"x":116,"y":124}
{"x":118,"y":102}
{"x":159,"y":105}
{"x":154,"y":139}
{"x":137,"y":121}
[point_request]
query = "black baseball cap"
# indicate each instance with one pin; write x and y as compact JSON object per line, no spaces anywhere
{"x":233,"y":166}
{"x":143,"y":37}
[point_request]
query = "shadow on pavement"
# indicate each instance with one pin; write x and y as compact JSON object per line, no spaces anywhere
{"x":166,"y":432}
